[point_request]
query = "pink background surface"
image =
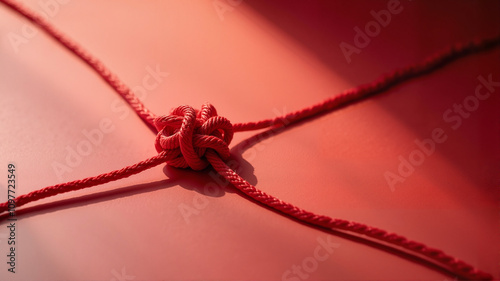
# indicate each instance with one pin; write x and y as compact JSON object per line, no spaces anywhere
{"x":254,"y":61}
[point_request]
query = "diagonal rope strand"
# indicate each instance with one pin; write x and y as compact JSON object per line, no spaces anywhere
{"x":383,"y":83}
{"x":201,"y":134}
{"x":87,"y":182}
{"x":459,"y":267}
{"x":109,"y":77}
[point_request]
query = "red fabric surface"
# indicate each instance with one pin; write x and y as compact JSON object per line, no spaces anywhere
{"x":457,"y":123}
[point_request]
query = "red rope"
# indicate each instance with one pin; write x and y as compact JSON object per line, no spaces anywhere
{"x":381,"y":84}
{"x":196,"y":139}
{"x":110,"y":78}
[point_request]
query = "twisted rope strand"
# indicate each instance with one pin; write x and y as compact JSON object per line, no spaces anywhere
{"x":53,"y":190}
{"x":459,"y":267}
{"x":206,"y":135}
{"x":384,"y":83}
{"x":98,"y":67}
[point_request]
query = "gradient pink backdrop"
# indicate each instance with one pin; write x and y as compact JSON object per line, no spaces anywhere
{"x":256,"y":60}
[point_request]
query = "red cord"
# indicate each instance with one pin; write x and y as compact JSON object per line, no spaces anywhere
{"x":196,"y":139}
{"x":110,"y":78}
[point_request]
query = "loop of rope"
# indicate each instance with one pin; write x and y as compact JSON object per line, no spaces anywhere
{"x":195,"y":139}
{"x":188,"y":133}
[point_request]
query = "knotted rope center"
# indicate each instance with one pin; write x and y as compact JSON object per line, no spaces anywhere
{"x":186,"y":134}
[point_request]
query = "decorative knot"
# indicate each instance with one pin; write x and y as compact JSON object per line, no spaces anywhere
{"x":186,"y":134}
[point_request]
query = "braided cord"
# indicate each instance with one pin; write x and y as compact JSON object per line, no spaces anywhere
{"x":204,"y":135}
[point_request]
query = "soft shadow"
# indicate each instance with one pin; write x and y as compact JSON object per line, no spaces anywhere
{"x":90,"y":199}
{"x":244,"y":145}
{"x":198,"y":181}
{"x":208,"y":182}
{"x":321,"y":26}
{"x":390,"y":249}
